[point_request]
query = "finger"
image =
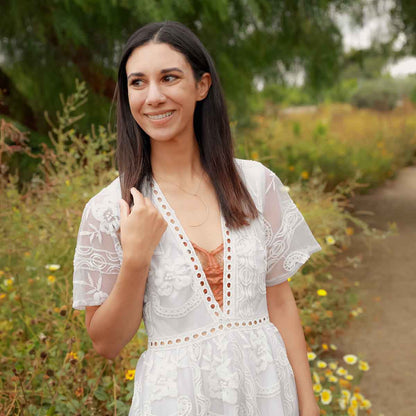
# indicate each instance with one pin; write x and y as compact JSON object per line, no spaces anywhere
{"x":147,"y":202}
{"x":137,"y":196}
{"x":124,"y":209}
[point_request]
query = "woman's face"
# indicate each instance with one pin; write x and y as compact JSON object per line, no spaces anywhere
{"x":162,"y":91}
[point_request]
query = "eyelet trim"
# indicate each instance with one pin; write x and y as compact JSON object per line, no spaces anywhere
{"x":206,"y":333}
{"x":227,"y":276}
{"x":197,"y":267}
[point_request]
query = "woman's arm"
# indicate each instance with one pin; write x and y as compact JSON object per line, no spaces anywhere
{"x":113,"y":324}
{"x":284,"y":315}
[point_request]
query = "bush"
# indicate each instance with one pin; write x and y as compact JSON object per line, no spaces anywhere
{"x":380,"y":94}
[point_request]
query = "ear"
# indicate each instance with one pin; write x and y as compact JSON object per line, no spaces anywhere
{"x":203,"y":86}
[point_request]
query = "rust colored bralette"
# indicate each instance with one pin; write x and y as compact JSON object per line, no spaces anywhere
{"x":212,"y":263}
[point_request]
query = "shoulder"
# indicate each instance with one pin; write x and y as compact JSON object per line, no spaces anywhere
{"x":104,"y":205}
{"x":253,"y":174}
{"x":253,"y":170}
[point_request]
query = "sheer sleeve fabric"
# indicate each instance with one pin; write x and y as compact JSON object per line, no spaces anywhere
{"x":97,"y":255}
{"x":289,"y":240}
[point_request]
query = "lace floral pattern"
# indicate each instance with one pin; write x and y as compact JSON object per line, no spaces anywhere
{"x":172,"y":275}
{"x":201,"y":359}
{"x":288,"y":238}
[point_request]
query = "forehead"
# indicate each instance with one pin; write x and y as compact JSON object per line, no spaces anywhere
{"x":153,"y":57}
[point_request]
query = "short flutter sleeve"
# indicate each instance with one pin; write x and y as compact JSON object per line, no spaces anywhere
{"x":289,"y":240}
{"x":97,"y":258}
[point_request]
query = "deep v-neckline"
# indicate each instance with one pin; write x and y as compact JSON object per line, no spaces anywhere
{"x":171,"y":218}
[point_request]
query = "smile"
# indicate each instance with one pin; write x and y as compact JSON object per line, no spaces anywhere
{"x":160,"y":116}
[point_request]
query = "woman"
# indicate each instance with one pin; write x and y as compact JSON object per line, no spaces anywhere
{"x":201,"y":246}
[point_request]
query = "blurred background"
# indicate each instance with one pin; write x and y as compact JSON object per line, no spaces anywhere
{"x":322,"y":92}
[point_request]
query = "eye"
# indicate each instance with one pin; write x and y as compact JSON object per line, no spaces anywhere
{"x":170,"y":76}
{"x":135,"y":82}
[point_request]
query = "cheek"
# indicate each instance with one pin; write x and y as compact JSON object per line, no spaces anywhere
{"x":135,"y":101}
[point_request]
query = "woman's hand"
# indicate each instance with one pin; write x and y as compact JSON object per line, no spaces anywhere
{"x":141,"y":228}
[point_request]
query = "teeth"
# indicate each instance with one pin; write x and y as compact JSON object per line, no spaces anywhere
{"x":159,"y":116}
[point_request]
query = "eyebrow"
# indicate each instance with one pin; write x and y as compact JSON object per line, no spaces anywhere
{"x":163,"y":71}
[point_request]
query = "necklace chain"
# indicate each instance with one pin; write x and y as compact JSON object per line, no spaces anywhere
{"x":193,"y":194}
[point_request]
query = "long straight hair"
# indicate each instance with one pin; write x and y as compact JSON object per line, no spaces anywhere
{"x":211,"y":126}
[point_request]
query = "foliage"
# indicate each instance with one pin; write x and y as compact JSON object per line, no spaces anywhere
{"x":45,"y":47}
{"x":337,"y":140}
{"x":379,"y":94}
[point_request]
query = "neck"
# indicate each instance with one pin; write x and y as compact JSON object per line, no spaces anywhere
{"x":176,"y":160}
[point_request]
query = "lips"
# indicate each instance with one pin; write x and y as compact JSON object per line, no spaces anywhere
{"x":160,"y":113}
{"x":161,"y":118}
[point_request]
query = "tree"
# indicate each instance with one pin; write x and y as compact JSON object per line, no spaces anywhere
{"x":45,"y":45}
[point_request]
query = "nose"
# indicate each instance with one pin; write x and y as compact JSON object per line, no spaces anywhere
{"x":154,"y":95}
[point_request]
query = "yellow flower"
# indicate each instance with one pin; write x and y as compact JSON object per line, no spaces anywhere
{"x":350,"y":359}
{"x":305,"y":174}
{"x":72,"y":356}
{"x":315,"y":377}
{"x":366,"y":404}
{"x":325,"y":347}
{"x":363,"y":365}
{"x":2,"y":295}
{"x":9,"y":281}
{"x":342,"y":371}
{"x":346,"y":394}
{"x":317,"y":388}
{"x":349,"y":377}
{"x":311,"y":356}
{"x":289,"y":279}
{"x":358,"y":396}
{"x":328,"y":372}
{"x":326,"y":396}
{"x":27,"y":253}
{"x":52,"y":267}
{"x":321,"y":364}
{"x":321,"y":292}
{"x":330,"y":240}
{"x":354,"y":403}
{"x":352,"y":412}
{"x":67,"y":182}
{"x":349,"y":230}
{"x":255,"y":155}
{"x":1,"y":272}
{"x":130,"y":374}
{"x":333,"y":347}
{"x":332,"y":379}
{"x":51,"y":278}
{"x":333,"y":365}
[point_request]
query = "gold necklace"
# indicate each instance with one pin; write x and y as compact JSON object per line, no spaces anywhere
{"x":193,"y":194}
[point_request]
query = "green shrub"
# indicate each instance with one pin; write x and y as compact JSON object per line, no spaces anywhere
{"x":380,"y":94}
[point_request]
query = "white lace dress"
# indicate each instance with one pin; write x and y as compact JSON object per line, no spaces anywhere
{"x":201,"y":359}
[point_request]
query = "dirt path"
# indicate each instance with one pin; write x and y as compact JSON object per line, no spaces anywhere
{"x":385,"y":334}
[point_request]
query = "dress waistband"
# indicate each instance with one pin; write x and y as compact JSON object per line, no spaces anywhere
{"x":206,"y":332}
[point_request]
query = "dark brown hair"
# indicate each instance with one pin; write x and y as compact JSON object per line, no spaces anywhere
{"x":211,"y":125}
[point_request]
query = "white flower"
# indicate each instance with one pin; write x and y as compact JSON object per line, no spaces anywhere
{"x":52,"y":267}
{"x":172,"y":275}
{"x":350,"y":359}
